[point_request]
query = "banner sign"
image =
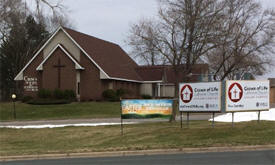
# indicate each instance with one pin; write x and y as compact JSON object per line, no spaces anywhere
{"x":140,"y":109}
{"x":247,"y":95}
{"x":200,"y":97}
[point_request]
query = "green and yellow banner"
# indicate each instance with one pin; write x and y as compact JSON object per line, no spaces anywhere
{"x":141,"y":109}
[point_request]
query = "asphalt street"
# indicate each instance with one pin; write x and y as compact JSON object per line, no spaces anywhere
{"x":266,"y":157}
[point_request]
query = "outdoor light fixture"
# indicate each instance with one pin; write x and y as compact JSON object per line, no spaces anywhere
{"x":13,"y":96}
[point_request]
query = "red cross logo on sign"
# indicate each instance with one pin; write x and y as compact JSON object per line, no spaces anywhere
{"x":186,"y":93}
{"x":235,"y":92}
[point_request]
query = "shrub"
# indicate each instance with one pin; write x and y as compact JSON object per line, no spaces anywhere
{"x":47,"y":101}
{"x":110,"y":95}
{"x":121,"y":92}
{"x":44,"y":93}
{"x":58,"y":94}
{"x":146,"y":96}
{"x":26,"y":98}
{"x":69,"y":94}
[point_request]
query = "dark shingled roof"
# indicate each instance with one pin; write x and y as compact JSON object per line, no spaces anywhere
{"x":150,"y":73}
{"x":166,"y":72}
{"x":109,"y":56}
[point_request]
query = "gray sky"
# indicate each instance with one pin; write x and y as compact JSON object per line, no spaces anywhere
{"x":110,"y":19}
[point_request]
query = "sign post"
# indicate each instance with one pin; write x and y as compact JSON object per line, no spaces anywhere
{"x":121,"y":125}
{"x":259,"y":113}
{"x":180,"y":119}
{"x":213,"y":119}
{"x":187,"y":120}
{"x":121,"y":119}
{"x":13,"y":96}
{"x":232,"y":119}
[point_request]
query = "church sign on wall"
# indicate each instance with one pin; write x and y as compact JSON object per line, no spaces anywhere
{"x":200,"y":97}
{"x":30,"y":84}
{"x":247,"y":95}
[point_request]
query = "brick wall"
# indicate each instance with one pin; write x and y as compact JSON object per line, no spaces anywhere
{"x":132,"y":88}
{"x":90,"y":83}
{"x":272,"y":95}
{"x":67,"y":75}
{"x":31,"y":72}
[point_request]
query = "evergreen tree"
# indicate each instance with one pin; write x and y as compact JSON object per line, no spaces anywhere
{"x":17,"y":49}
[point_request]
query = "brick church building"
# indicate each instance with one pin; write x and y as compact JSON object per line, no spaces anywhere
{"x":88,"y":66}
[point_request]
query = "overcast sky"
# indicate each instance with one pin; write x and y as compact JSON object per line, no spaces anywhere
{"x":110,"y":19}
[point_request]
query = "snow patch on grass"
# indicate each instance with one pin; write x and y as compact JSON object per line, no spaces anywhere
{"x":246,"y":116}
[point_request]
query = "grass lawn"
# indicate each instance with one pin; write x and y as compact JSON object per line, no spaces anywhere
{"x":137,"y":137}
{"x":64,"y":111}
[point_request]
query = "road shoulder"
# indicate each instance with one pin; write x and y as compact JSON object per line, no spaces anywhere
{"x":138,"y":152}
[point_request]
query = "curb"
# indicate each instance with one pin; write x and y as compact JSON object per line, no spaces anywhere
{"x":138,"y":152}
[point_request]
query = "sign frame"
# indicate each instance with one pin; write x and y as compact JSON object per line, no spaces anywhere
{"x":220,"y":101}
{"x":121,"y":111}
{"x":147,"y":100}
{"x":239,"y":110}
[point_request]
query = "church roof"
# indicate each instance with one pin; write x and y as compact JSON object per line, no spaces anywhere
{"x":109,"y":56}
{"x":150,"y":73}
{"x":165,"y":73}
{"x":111,"y":60}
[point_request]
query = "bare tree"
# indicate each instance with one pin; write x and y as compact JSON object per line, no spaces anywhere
{"x":17,"y":8}
{"x":57,"y":17}
{"x":144,"y":51}
{"x":246,"y":41}
{"x":182,"y":34}
{"x":9,"y":10}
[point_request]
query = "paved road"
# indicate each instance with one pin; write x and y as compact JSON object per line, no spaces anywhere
{"x":266,"y":157}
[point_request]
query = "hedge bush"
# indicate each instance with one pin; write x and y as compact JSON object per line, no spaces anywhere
{"x":58,"y":94}
{"x":26,"y":99}
{"x":69,"y":94}
{"x":46,"y":96}
{"x":110,"y":95}
{"x":146,"y":96}
{"x":121,"y":92}
{"x":47,"y":101}
{"x":44,"y":93}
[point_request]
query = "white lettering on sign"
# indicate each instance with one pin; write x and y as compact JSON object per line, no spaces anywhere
{"x":30,"y":84}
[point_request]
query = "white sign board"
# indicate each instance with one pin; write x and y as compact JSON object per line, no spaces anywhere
{"x":247,"y":95}
{"x":200,"y":97}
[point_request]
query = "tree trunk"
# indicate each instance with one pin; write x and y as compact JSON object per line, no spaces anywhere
{"x":175,"y":101}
